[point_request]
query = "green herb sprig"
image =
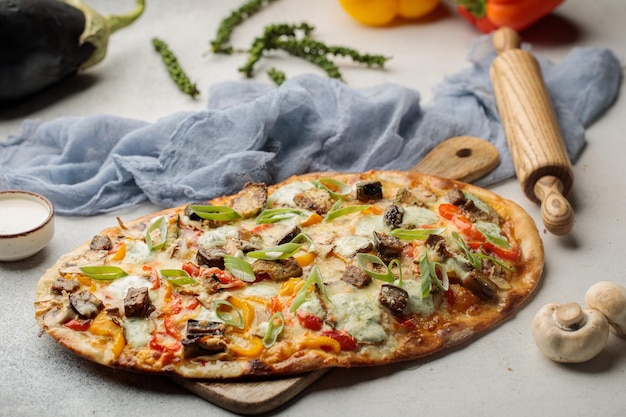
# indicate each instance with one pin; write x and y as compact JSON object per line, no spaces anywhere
{"x":177,"y":74}
{"x":296,"y":40}
{"x":220,"y":43}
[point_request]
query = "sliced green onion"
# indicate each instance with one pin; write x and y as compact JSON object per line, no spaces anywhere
{"x":416,"y":234}
{"x":276,"y":215}
{"x":177,"y":277}
{"x":218,"y":213}
{"x":429,"y":275}
{"x":396,"y":262}
{"x":364,"y":259}
{"x":159,"y":229}
{"x":338,"y":212}
{"x":492,"y":234}
{"x":475,"y":259}
{"x":239,"y":268}
{"x":274,"y":330}
{"x":334,"y":187}
{"x":315,"y":278}
{"x":275,"y":253}
{"x":231,"y":316}
{"x":303,"y":237}
{"x":103,"y":272}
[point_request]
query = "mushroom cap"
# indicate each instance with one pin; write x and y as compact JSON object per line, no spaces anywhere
{"x":568,"y":334}
{"x":610,"y":299}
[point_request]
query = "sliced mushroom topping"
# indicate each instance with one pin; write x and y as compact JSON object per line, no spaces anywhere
{"x":204,"y":337}
{"x":356,"y":276}
{"x":369,"y":190}
{"x":137,"y":303}
{"x":211,"y":257}
{"x":405,"y":197}
{"x":393,"y":216}
{"x":295,"y":231}
{"x":437,"y":244}
{"x":480,"y":285}
{"x":394,"y":298}
{"x":250,"y":200}
{"x":387,"y":246}
{"x":314,"y":199}
{"x":59,"y":315}
{"x":61,"y":285}
{"x":249,"y":241}
{"x":86,"y":304}
{"x":100,"y":242}
{"x":280,"y":270}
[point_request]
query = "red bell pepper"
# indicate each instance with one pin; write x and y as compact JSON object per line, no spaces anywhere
{"x":488,"y":15}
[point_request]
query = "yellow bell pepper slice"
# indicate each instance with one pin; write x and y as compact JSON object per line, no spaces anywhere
{"x":103,"y":326}
{"x":383,"y":12}
{"x":253,"y":348}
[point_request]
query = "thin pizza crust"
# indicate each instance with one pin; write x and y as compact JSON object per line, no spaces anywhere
{"x":425,"y":335}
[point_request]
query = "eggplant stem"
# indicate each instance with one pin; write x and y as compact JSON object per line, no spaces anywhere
{"x":117,"y":22}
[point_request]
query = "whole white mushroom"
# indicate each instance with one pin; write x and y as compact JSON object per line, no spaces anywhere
{"x":568,"y":334}
{"x":610,"y":299}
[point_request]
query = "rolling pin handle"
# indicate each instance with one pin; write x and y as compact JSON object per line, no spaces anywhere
{"x":505,"y":39}
{"x":556,"y":212}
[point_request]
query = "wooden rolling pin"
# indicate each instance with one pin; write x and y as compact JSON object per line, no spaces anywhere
{"x":532,"y":131}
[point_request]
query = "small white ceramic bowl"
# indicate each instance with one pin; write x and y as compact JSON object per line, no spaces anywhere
{"x":26,"y":224}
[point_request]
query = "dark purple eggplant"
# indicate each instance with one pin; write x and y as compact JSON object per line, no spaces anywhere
{"x":45,"y":41}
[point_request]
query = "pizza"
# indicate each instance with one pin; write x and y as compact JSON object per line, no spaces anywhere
{"x":321,"y":270}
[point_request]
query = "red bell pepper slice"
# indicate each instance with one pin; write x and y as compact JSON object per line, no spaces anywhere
{"x":345,"y":339}
{"x":309,"y":321}
{"x":461,"y":222}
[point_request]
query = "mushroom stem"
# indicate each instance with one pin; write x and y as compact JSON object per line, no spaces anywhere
{"x":569,"y":316}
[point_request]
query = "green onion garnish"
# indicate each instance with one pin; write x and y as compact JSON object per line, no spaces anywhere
{"x":429,"y":275}
{"x":217,"y":213}
{"x":475,"y":259}
{"x":364,"y":259}
{"x":416,"y":234}
{"x":177,"y":277}
{"x":334,"y":187}
{"x":274,"y":329}
{"x":275,"y":253}
{"x":158,"y":229}
{"x":276,"y":215}
{"x":103,"y":272}
{"x":231,"y":315}
{"x":336,"y":211}
{"x":315,"y":278}
{"x":239,"y":268}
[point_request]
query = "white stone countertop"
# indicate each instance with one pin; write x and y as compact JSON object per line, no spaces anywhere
{"x":501,"y":373}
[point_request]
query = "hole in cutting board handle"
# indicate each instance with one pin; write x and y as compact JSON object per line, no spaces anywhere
{"x":464,"y":153}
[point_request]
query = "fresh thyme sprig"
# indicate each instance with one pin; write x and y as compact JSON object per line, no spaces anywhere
{"x":177,"y":74}
{"x":228,"y":25}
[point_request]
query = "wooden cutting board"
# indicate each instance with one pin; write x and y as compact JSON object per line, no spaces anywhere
{"x":463,"y":158}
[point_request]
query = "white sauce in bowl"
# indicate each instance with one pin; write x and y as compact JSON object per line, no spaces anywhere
{"x":20,"y":213}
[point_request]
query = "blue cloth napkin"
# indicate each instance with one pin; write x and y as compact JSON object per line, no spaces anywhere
{"x":253,"y":131}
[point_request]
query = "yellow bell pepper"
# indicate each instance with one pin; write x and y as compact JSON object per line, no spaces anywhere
{"x":103,"y":326}
{"x":383,"y":12}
